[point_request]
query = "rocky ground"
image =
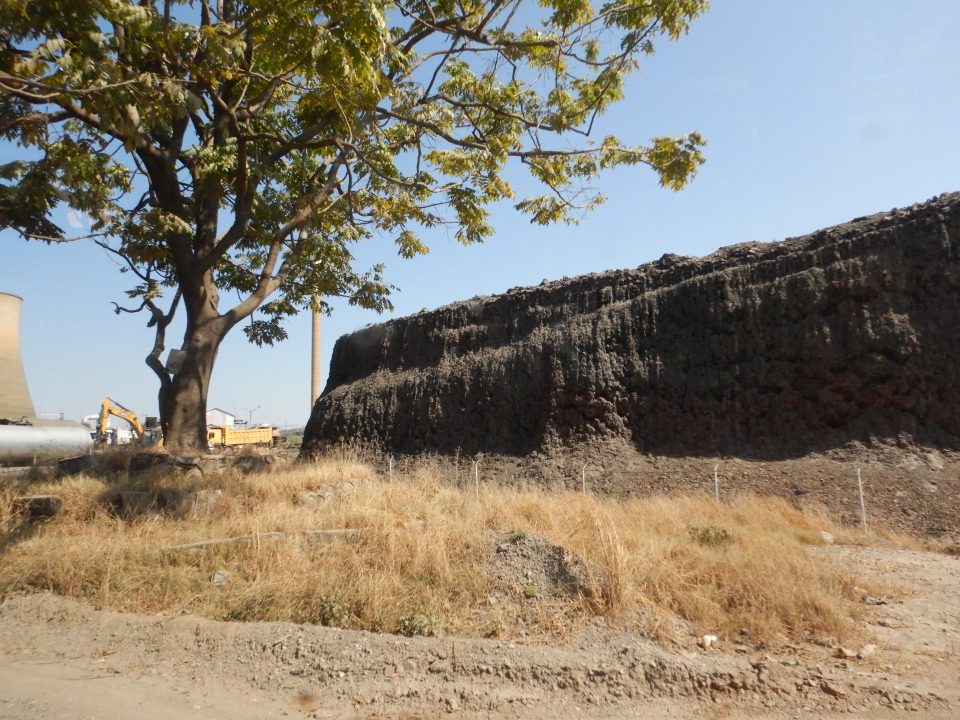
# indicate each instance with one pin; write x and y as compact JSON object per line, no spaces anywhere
{"x":60,"y":659}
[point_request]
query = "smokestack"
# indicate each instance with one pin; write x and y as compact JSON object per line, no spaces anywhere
{"x":315,"y":358}
{"x":15,"y":399}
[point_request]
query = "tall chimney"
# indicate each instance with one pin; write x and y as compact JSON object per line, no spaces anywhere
{"x":315,"y":358}
{"x":15,"y":399}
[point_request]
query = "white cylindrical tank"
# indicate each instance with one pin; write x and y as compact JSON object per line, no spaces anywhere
{"x":15,"y":399}
{"x":44,"y":440}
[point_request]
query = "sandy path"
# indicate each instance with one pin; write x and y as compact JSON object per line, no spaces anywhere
{"x":57,"y":690}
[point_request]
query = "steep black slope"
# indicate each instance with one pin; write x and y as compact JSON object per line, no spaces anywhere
{"x":771,"y":350}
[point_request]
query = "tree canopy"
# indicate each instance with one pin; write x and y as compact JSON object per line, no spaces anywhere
{"x":245,"y":146}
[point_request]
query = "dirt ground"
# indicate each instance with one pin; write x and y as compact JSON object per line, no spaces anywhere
{"x":911,"y":489}
{"x":60,"y":659}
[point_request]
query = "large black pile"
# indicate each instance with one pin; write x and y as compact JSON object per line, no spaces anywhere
{"x":766,"y":350}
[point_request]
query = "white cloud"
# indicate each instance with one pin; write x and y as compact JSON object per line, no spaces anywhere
{"x":76,"y":221}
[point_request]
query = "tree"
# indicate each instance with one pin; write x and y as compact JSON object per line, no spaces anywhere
{"x":245,"y":145}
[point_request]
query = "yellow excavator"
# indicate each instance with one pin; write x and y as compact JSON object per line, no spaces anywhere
{"x":111,"y":407}
{"x":218,"y":437}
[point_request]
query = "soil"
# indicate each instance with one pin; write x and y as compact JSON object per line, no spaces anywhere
{"x":60,"y":659}
{"x":908,"y":488}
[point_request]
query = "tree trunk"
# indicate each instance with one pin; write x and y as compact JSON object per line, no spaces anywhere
{"x":185,"y":401}
{"x":165,"y":403}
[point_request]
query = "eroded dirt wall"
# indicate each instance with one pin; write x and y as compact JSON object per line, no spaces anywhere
{"x":767,"y":350}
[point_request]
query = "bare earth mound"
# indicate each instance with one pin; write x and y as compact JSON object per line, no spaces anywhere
{"x":765,"y":351}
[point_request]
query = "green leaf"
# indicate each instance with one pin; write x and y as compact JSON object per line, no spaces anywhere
{"x":244,"y":153}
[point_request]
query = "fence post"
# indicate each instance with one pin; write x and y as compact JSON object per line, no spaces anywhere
{"x":716,"y":482}
{"x":863,"y":506}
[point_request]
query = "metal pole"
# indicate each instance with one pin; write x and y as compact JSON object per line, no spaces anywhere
{"x":863,"y":507}
{"x":315,"y":354}
{"x":716,"y":482}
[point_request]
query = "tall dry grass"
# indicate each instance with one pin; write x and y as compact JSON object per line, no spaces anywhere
{"x":420,"y":559}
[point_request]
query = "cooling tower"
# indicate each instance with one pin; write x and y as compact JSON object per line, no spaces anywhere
{"x":23,"y":438}
{"x":15,"y":400}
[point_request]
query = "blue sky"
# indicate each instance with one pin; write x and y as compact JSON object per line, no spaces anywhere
{"x":815,"y":113}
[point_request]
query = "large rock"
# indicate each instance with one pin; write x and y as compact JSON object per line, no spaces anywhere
{"x":771,"y":350}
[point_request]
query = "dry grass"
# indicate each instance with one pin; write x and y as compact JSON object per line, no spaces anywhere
{"x":419,"y":561}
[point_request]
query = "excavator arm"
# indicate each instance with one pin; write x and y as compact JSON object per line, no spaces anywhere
{"x":110,"y":407}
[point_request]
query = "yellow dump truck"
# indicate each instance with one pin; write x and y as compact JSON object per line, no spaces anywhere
{"x":221,"y":436}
